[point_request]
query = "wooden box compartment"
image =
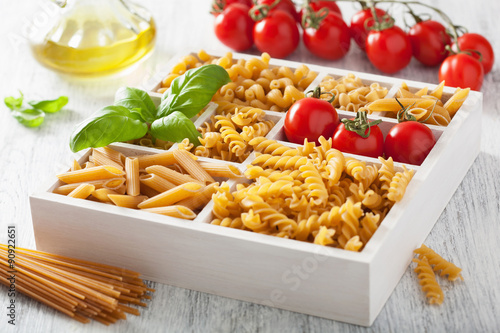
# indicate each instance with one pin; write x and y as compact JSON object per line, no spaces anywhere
{"x":284,"y":273}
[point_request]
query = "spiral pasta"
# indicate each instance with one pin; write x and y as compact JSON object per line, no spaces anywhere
{"x":226,"y":136}
{"x":439,"y":264}
{"x":310,"y":193}
{"x":427,"y":280}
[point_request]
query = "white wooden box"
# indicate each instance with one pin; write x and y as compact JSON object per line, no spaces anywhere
{"x":288,"y":274}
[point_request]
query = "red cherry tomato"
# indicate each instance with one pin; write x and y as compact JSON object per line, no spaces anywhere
{"x":409,"y":142}
{"x":285,"y":5}
{"x":428,"y":41}
{"x":234,"y":28}
{"x":462,"y":70}
{"x":471,"y":41}
{"x":359,"y":31}
{"x":353,"y":143}
{"x":277,"y":34}
{"x":310,"y":118}
{"x":331,"y":40}
{"x":316,"y":5}
{"x":389,"y":50}
{"x":219,"y":5}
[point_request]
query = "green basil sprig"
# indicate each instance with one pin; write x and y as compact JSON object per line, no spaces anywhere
{"x":134,"y":113}
{"x":33,"y":114}
{"x":175,"y":127}
{"x":108,"y":125}
{"x":191,"y":92}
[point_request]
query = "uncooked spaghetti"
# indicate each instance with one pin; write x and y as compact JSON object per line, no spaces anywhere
{"x":81,"y":289}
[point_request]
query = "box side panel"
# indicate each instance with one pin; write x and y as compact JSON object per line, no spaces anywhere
{"x":426,"y":197}
{"x":315,"y":283}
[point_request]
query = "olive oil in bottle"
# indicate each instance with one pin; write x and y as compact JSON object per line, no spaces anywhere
{"x":94,"y":38}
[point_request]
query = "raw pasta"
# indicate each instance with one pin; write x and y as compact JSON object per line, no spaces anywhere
{"x":427,"y":280}
{"x":171,"y":183}
{"x":254,"y":82}
{"x":226,"y":136}
{"x":425,"y":106}
{"x":350,"y":93}
{"x":310,"y":193}
{"x":439,"y":264}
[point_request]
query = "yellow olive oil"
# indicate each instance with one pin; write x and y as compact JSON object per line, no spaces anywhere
{"x":86,"y":46}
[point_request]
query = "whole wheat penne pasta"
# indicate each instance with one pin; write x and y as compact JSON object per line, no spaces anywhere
{"x":88,"y":165}
{"x":172,"y":196}
{"x":120,"y":189}
{"x":174,"y":211}
{"x":82,"y":191}
{"x":128,"y":201}
{"x":101,"y":159}
{"x":166,"y":158}
{"x":132,"y":176}
{"x":200,"y":199}
{"x":112,"y":154}
{"x":101,"y":194}
{"x":191,"y":166}
{"x":221,"y":169}
{"x":156,"y":182}
{"x":172,"y":176}
{"x":148,"y":191}
{"x":456,"y":101}
{"x":96,"y":173}
{"x":112,"y":183}
{"x":75,"y":165}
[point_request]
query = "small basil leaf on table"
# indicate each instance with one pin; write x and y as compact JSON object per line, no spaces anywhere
{"x":191,"y":92}
{"x":133,"y":98}
{"x":14,"y":103}
{"x":108,"y":125}
{"x":175,"y":127}
{"x":50,"y":106}
{"x":29,"y":117}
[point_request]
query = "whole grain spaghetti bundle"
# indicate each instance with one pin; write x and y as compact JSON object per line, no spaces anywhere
{"x":81,"y":289}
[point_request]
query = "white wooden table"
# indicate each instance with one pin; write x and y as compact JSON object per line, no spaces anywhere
{"x":466,"y":233}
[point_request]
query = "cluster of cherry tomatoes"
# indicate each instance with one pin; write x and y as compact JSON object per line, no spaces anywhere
{"x":312,"y":117}
{"x":273,"y":27}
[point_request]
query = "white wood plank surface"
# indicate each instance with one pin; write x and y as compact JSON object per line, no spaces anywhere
{"x":466,"y":233}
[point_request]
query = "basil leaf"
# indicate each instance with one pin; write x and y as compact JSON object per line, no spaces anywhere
{"x":191,"y":92}
{"x":175,"y":127}
{"x":14,"y":103}
{"x":50,"y":106}
{"x":108,"y":125}
{"x":133,"y":98}
{"x":29,"y":117}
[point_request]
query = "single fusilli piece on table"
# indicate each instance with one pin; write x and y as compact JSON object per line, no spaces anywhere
{"x":439,"y":264}
{"x":428,"y":282}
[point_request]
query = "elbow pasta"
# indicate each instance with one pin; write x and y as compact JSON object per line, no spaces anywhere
{"x":312,"y":194}
{"x":254,"y":82}
{"x":351,"y":93}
